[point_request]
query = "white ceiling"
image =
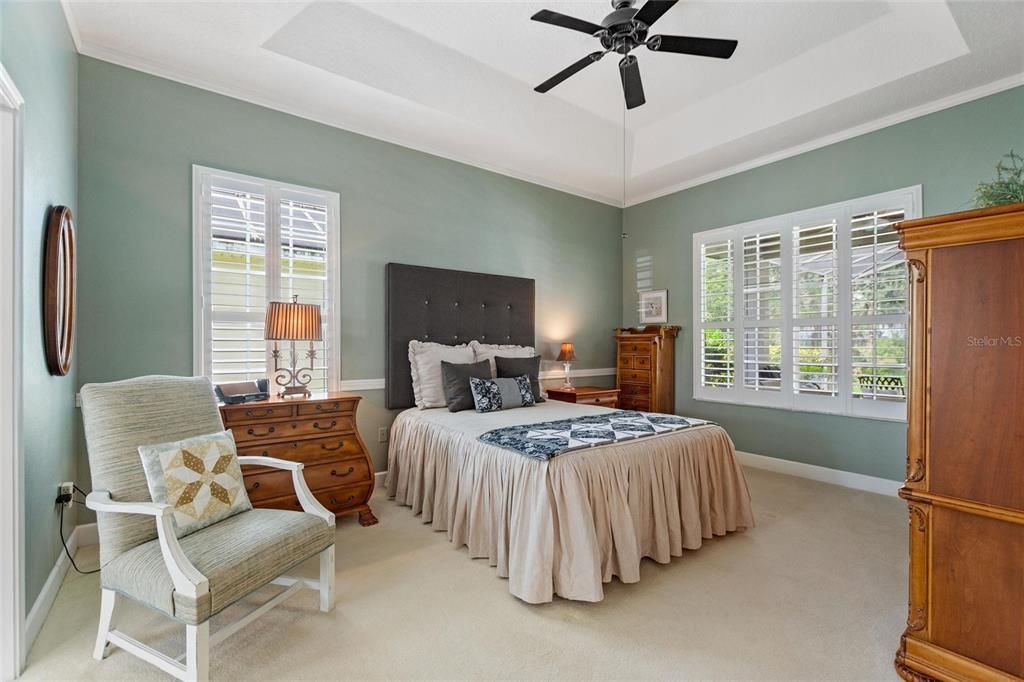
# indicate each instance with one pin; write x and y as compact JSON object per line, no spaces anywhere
{"x":456,"y":78}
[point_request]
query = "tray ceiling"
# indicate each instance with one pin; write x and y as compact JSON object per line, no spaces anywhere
{"x":456,"y":78}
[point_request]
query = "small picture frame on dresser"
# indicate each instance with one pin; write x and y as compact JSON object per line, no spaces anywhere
{"x":653,"y":306}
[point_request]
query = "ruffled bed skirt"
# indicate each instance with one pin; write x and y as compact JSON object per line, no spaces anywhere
{"x":566,"y":526}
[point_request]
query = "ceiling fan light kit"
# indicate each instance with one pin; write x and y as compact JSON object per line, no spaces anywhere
{"x":622,"y":31}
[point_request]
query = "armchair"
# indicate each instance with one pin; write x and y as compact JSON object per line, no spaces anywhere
{"x":189,"y":579}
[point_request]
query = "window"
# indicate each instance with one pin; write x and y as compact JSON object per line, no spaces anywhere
{"x":806,"y":311}
{"x":257,"y":241}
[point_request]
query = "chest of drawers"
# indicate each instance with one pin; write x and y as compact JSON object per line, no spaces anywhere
{"x":321,"y":433}
{"x":645,"y":374}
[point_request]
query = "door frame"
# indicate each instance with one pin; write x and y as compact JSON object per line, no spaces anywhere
{"x":12,"y":579}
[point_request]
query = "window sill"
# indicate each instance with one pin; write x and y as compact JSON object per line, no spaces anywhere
{"x":704,"y":399}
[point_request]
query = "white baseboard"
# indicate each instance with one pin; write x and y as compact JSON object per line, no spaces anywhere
{"x":87,"y":534}
{"x":44,"y":602}
{"x":378,"y":479}
{"x":847,"y":479}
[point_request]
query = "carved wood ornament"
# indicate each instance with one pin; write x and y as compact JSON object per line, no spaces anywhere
{"x":60,"y":270}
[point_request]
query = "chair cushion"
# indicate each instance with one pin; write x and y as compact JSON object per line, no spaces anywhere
{"x":237,"y":556}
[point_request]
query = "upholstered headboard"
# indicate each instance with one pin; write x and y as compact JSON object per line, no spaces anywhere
{"x":450,"y":307}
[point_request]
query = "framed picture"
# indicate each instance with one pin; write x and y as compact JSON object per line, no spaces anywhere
{"x":654,"y":306}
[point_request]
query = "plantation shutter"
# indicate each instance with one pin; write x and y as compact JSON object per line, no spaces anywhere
{"x":816,"y":311}
{"x":717,"y":349}
{"x":762,"y":311}
{"x":236,"y":280}
{"x":878,"y":330}
{"x":259,"y":241}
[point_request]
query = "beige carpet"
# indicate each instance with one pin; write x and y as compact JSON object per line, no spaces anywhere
{"x":816,"y":591}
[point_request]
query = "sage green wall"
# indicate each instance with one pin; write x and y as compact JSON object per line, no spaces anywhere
{"x":140,"y":136}
{"x":39,"y":54}
{"x":947,"y":153}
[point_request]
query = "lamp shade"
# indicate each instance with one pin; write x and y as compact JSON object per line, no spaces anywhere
{"x":567,"y":354}
{"x":293,"y":322}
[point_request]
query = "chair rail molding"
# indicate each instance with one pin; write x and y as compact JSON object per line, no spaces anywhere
{"x":12,"y":582}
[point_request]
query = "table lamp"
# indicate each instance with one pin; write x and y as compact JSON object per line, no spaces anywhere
{"x":293,"y":322}
{"x":566,"y":356}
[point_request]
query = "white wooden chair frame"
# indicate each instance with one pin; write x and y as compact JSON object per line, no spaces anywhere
{"x":190,"y":582}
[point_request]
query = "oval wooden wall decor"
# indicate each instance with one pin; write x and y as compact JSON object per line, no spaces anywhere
{"x":59,"y":275}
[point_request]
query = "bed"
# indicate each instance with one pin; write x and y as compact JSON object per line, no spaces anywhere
{"x":563,"y":526}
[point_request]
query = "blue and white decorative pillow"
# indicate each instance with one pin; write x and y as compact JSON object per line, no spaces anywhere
{"x":491,"y":395}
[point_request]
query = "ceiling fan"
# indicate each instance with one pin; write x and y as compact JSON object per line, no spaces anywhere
{"x":622,"y":31}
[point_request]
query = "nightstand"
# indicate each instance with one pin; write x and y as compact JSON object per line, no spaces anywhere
{"x":586,"y":395}
{"x":320,"y":432}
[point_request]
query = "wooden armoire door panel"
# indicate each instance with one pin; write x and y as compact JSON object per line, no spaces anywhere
{"x":976,"y":372}
{"x":977,"y":587}
{"x":965,"y":448}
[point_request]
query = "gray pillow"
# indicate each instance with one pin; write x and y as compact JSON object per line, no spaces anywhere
{"x":455,"y":382}
{"x":514,"y":367}
{"x":491,"y":395}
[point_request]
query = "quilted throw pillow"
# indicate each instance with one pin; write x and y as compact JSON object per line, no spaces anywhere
{"x":491,"y":395}
{"x":199,"y":477}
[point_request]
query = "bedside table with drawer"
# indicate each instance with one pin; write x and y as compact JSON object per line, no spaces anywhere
{"x":321,"y":433}
{"x":586,"y":395}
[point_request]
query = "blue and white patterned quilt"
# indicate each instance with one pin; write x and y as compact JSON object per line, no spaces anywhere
{"x":545,"y":440}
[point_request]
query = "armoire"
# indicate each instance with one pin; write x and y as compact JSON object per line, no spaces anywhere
{"x":965,"y":447}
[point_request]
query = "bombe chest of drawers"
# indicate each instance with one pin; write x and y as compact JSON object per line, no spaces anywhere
{"x":321,"y":433}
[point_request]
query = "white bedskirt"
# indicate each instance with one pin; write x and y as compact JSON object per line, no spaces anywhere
{"x":567,"y":525}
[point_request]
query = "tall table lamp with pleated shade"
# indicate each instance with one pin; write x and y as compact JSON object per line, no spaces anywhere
{"x":567,"y":355}
{"x":293,"y":321}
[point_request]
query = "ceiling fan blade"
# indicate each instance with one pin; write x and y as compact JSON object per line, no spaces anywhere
{"x":632,"y":86}
{"x":653,"y":10}
{"x":702,"y":47}
{"x":546,"y":16}
{"x":569,"y":71}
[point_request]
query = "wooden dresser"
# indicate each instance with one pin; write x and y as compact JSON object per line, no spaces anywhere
{"x":321,"y":433}
{"x":645,"y":374}
{"x":965,"y":447}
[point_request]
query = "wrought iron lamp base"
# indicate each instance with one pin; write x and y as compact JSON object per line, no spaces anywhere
{"x":294,"y":380}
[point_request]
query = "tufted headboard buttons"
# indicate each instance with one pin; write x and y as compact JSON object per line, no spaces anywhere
{"x":449,"y":306}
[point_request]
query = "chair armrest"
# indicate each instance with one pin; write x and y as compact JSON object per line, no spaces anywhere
{"x":186,"y":578}
{"x":100,"y":500}
{"x":310,"y":504}
{"x":273,"y":462}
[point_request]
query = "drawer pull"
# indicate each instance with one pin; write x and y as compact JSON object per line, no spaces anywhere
{"x":266,"y":413}
{"x":331,"y":408}
{"x":316,"y":425}
{"x":347,"y":501}
{"x":339,"y":446}
{"x":252,"y":432}
{"x":334,"y":472}
{"x":255,"y":485}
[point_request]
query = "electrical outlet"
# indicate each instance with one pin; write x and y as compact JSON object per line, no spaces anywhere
{"x":66,"y":492}
{"x":382,"y":435}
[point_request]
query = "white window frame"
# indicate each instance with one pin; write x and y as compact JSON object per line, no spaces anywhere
{"x":274,"y":192}
{"x":908,"y":198}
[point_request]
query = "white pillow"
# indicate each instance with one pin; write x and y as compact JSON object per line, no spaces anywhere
{"x":425,"y":361}
{"x":489,"y":351}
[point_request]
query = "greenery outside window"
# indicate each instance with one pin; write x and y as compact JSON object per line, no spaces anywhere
{"x":806,"y":311}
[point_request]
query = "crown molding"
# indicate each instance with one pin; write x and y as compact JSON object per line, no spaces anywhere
{"x":69,"y":17}
{"x":947,"y":102}
{"x":161,"y":71}
{"x":154,"y":69}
